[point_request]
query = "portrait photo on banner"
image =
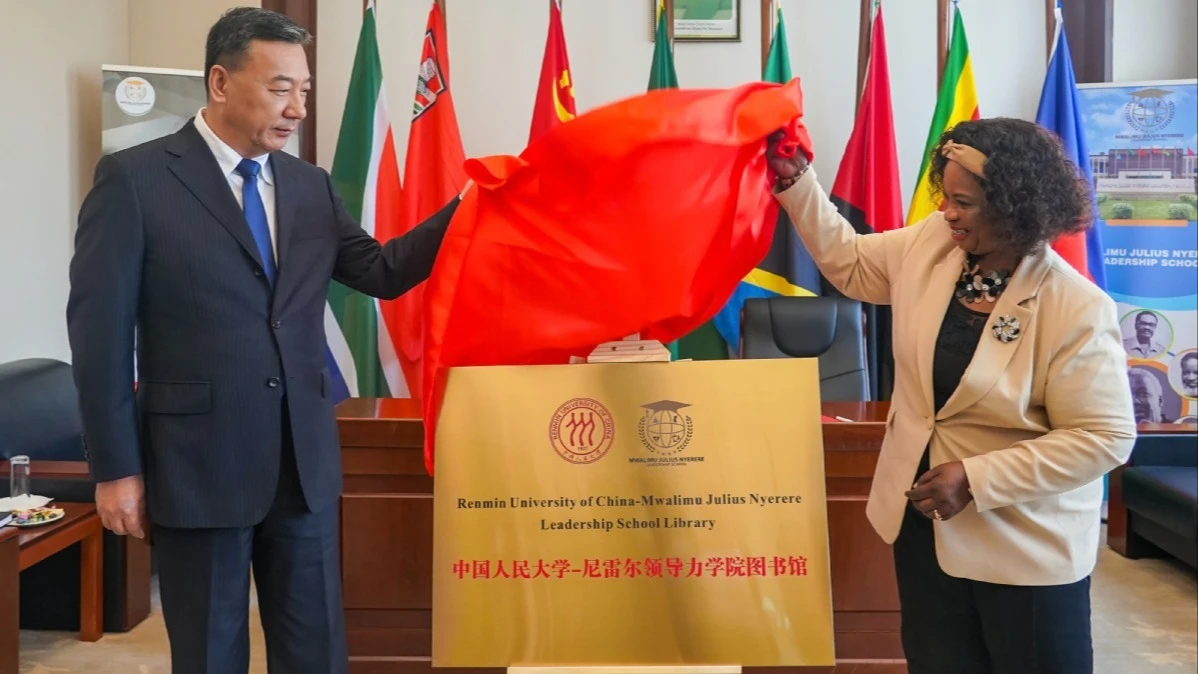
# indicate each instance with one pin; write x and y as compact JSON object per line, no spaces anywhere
{"x":1143,"y":141}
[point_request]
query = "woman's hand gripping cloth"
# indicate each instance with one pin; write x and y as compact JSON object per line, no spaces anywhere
{"x":637,"y":217}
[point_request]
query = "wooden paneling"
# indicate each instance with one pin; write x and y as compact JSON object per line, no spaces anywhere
{"x":10,"y":602}
{"x":1091,"y":26}
{"x":386,"y":515}
{"x":303,"y":12}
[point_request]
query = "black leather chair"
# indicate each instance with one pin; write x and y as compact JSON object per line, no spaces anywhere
{"x":828,"y":328}
{"x":39,"y":418}
{"x":1160,"y":489}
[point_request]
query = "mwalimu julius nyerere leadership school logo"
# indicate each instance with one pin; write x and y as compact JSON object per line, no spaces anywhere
{"x":1148,"y":110}
{"x":582,"y":430}
{"x":664,"y":429}
{"x":430,"y":83}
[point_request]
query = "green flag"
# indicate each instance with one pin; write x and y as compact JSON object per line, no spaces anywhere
{"x":662,"y":75}
{"x":704,"y":343}
{"x":777,"y":63}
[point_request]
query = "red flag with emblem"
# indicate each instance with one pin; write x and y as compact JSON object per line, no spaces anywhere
{"x":433,"y":175}
{"x":555,"y":95}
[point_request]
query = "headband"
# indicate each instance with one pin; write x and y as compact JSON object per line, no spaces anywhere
{"x":971,"y":159}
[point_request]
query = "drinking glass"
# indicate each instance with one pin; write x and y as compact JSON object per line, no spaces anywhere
{"x":18,"y":478}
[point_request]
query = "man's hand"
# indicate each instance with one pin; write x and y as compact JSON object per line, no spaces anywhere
{"x":122,"y":506}
{"x":784,"y":167}
{"x":942,"y":492}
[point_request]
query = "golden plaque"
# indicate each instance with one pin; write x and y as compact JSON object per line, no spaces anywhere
{"x":632,"y":514}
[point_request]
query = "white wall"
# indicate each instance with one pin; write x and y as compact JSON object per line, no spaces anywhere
{"x":171,"y":33}
{"x":1154,"y":40}
{"x":50,"y":134}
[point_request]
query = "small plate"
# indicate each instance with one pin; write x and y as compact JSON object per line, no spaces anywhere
{"x":51,"y":517}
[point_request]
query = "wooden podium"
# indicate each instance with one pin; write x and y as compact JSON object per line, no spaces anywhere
{"x":387,"y":537}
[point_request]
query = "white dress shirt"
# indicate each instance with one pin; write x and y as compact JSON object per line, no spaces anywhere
{"x":228,"y":159}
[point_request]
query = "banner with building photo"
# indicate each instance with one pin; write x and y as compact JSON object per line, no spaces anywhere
{"x":1143,"y":140}
{"x":141,"y":104}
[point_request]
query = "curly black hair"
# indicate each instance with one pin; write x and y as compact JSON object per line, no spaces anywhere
{"x":1033,"y":192}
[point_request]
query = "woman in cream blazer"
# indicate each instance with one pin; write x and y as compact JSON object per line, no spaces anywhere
{"x":1010,"y":401}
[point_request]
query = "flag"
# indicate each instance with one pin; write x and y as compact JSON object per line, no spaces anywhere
{"x":868,"y":195}
{"x":703,"y":343}
{"x":661,"y":72}
{"x":787,"y":269}
{"x":957,"y":102}
{"x":361,"y":354}
{"x":562,"y":228}
{"x":433,"y":171}
{"x":1060,"y":113}
{"x":555,"y":94}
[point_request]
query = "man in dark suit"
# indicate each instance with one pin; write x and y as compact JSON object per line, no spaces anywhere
{"x":214,"y":249}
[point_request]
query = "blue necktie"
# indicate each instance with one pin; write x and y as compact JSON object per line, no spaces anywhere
{"x":255,"y":215}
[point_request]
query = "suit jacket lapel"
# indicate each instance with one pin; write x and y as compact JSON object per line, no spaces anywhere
{"x":992,"y":354}
{"x":199,"y":172}
{"x":941,"y":290}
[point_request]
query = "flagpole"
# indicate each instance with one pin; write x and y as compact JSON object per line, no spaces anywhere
{"x":768,"y":12}
{"x":863,"y":40}
{"x":670,"y":22}
{"x":941,"y":39}
{"x":1050,"y":27}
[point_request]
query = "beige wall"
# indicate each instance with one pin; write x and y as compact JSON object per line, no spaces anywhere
{"x":171,"y":33}
{"x":50,"y":134}
{"x":1154,"y":40}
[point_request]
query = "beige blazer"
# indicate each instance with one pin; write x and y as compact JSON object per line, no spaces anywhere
{"x":1037,"y":421}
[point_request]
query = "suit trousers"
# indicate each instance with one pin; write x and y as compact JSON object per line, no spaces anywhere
{"x":959,"y":626}
{"x":204,"y":578}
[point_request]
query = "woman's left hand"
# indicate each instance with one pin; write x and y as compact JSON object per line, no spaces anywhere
{"x":942,"y":492}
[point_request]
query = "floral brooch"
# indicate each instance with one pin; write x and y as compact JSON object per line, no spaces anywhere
{"x":1006,"y":329}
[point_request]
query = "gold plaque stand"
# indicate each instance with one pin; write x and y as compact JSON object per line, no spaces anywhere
{"x":630,"y":669}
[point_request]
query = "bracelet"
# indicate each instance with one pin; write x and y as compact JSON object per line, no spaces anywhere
{"x":785,"y":183}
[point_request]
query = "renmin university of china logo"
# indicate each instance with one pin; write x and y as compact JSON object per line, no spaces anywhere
{"x":582,"y":430}
{"x":663,"y":429}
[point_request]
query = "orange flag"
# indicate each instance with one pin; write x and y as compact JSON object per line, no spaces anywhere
{"x":555,"y":95}
{"x":638,"y":217}
{"x":433,"y":174}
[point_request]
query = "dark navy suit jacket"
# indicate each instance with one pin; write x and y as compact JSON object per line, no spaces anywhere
{"x":163,"y":253}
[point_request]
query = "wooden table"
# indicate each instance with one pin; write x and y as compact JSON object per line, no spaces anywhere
{"x":387,"y":536}
{"x":81,"y":524}
{"x":133,"y":567}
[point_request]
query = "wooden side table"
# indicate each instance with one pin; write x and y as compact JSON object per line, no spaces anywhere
{"x":81,"y":524}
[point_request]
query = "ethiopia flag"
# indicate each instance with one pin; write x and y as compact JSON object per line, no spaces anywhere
{"x":555,"y":95}
{"x":361,"y":353}
{"x":958,"y":101}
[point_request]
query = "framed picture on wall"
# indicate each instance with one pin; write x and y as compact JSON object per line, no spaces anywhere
{"x":704,"y":20}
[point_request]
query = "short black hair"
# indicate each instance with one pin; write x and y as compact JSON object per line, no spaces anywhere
{"x":230,"y":37}
{"x":1150,"y":314}
{"x":1193,"y":355}
{"x":1033,"y":192}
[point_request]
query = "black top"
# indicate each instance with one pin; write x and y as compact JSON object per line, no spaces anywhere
{"x":958,"y":339}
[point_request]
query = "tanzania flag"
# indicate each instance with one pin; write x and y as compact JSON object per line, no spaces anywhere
{"x":958,"y":101}
{"x":867,"y":193}
{"x":555,"y":95}
{"x":787,"y":269}
{"x":361,"y":355}
{"x":1060,"y":113}
{"x":433,"y":171}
